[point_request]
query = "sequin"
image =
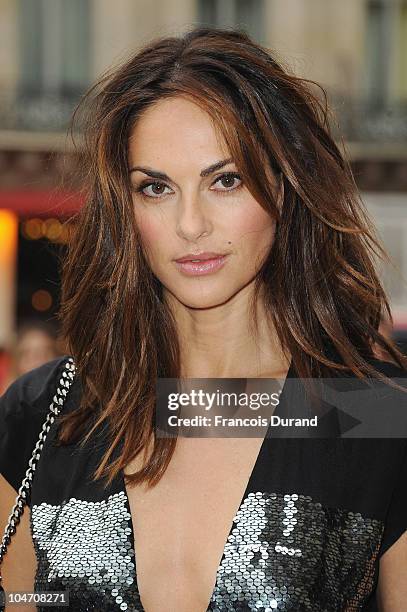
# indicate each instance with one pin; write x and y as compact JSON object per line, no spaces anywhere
{"x":284,"y":552}
{"x":80,"y":546}
{"x":288,"y":552}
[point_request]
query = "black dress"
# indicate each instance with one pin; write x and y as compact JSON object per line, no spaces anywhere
{"x":315,"y":518}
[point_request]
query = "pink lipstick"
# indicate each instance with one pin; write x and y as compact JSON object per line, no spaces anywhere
{"x":196,"y":264}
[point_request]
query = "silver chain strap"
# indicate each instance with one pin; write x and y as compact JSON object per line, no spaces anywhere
{"x":64,"y":385}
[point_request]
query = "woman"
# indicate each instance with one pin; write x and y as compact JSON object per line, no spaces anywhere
{"x":35,"y":343}
{"x":203,"y":147}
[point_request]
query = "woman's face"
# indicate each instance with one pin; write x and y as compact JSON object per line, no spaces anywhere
{"x":192,"y":210}
{"x":34,"y":348}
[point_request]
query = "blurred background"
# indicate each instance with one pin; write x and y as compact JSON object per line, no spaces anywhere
{"x":52,"y":50}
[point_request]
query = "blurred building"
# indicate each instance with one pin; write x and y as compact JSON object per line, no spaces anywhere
{"x":51,"y":50}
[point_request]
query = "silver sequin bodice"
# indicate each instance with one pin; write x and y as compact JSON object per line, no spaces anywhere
{"x":284,"y":552}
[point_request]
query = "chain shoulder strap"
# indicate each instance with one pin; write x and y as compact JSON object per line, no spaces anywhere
{"x":65,"y":382}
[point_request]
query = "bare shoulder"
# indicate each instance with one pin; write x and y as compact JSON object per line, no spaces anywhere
{"x":392,"y":585}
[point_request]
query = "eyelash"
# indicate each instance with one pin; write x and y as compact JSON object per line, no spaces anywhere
{"x":222,"y":192}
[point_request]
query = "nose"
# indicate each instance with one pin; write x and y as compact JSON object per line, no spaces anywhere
{"x":192,"y":220}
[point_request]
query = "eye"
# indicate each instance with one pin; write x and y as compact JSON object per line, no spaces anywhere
{"x":155,"y":185}
{"x":228,"y":178}
{"x":158,"y":187}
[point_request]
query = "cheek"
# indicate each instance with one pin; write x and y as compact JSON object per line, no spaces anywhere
{"x":152,"y":232}
{"x":252,"y":228}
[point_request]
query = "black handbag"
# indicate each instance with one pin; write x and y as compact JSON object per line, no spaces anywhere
{"x":65,"y":382}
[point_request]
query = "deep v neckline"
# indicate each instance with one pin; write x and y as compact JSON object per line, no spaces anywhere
{"x":249,"y":485}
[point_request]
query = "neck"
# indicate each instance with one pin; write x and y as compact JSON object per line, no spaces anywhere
{"x":222,"y":341}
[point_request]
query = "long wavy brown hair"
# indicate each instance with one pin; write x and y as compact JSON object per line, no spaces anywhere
{"x":321,"y":289}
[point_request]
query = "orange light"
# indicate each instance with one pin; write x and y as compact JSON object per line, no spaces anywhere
{"x":54,"y":229}
{"x":41,"y":300}
{"x":8,"y":258}
{"x":34,"y":228}
{"x":65,"y":234}
{"x":8,"y":233}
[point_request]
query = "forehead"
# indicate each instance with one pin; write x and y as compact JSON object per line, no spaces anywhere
{"x":175,"y":127}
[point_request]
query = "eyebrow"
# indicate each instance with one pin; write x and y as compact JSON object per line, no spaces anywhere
{"x":161,"y":175}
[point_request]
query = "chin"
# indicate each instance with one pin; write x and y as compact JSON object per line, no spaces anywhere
{"x":204,"y":299}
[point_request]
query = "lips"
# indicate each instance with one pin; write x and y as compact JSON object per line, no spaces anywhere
{"x":197,"y":257}
{"x":204,"y":263}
